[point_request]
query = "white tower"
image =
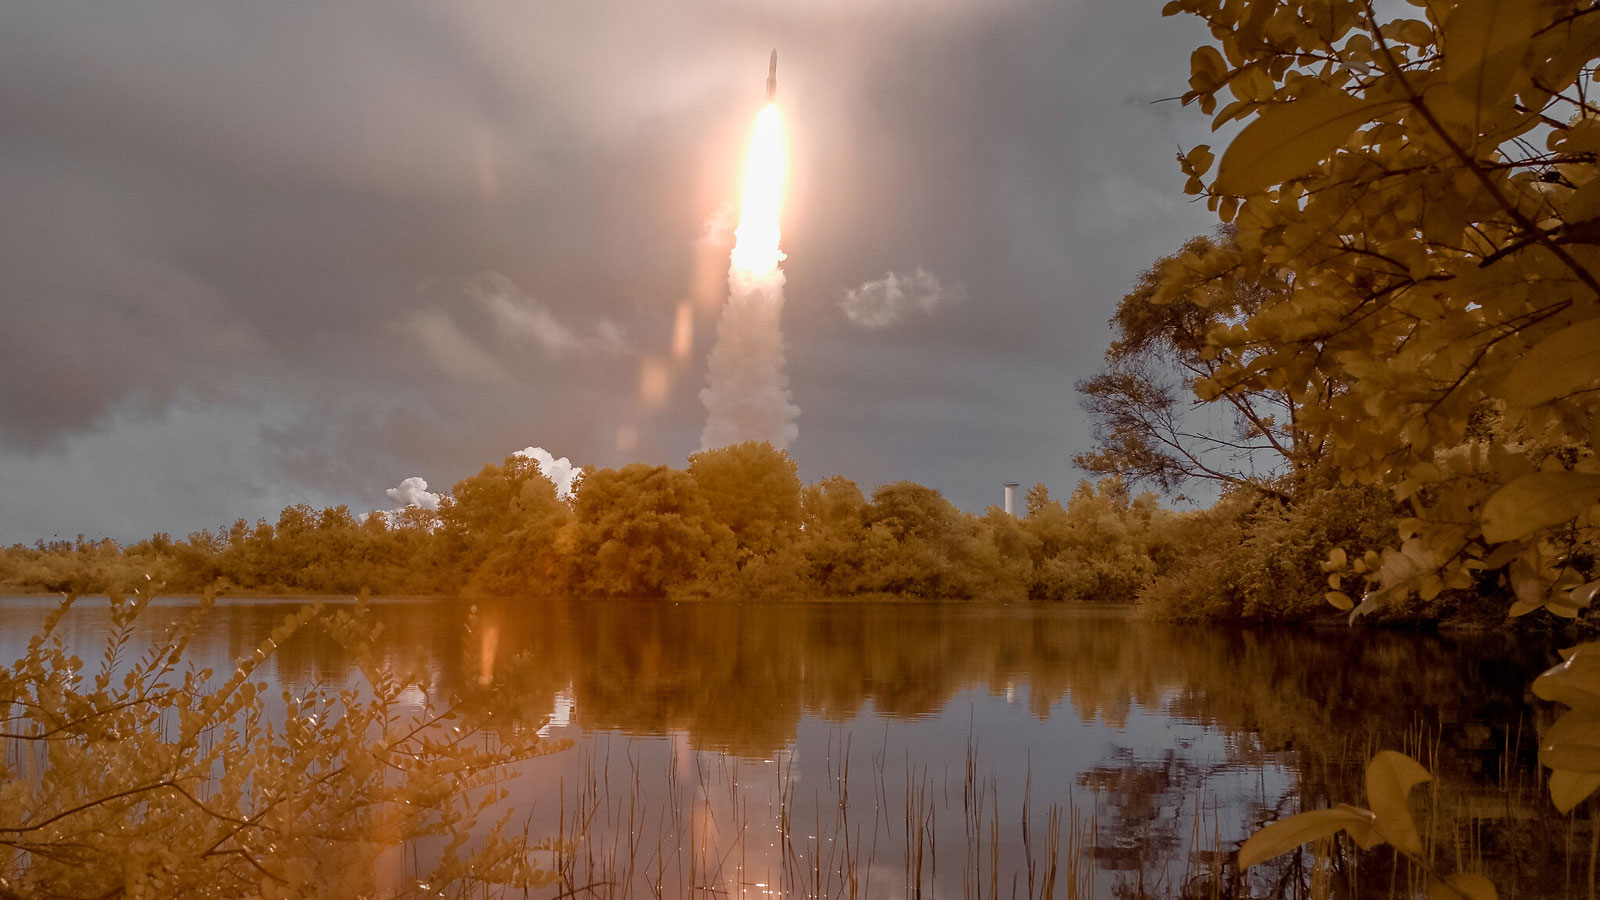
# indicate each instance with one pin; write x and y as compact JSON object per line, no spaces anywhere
{"x":1011,"y":497}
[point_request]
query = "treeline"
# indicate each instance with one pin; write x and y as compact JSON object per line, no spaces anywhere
{"x":736,"y":523}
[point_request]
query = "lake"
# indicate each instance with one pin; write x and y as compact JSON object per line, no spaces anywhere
{"x":928,"y":750}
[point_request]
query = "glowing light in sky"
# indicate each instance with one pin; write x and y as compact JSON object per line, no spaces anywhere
{"x":755,"y":250}
{"x":747,"y":391}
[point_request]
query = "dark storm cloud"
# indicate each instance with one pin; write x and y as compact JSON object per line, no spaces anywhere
{"x":255,"y":253}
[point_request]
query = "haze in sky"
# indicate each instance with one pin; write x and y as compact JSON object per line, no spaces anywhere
{"x":266,"y":253}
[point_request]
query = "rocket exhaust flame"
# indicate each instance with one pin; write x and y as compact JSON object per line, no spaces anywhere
{"x":756,"y":248}
{"x":747,"y":391}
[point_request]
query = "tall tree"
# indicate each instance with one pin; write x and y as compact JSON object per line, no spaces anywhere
{"x":753,"y":489}
{"x":1149,"y":424}
{"x":643,"y":531}
{"x":500,"y":525}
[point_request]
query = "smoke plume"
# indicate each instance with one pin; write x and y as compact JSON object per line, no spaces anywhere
{"x":747,"y":391}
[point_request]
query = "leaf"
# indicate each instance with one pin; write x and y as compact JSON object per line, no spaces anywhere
{"x":1371,"y":601}
{"x":1566,"y":362}
{"x":1340,"y":600}
{"x":1286,"y":834}
{"x":1568,"y":789}
{"x":1559,"y":605}
{"x":1573,"y":743}
{"x":1522,"y":608}
{"x":1232,"y":111}
{"x":1390,"y":778}
{"x":1584,"y":204}
{"x":1584,"y":594}
{"x":1482,"y":40}
{"x":1575,"y":681}
{"x":1503,"y":555}
{"x":1538,"y":501}
{"x":1573,"y":45}
{"x":1415,"y":32}
{"x":1365,"y":831}
{"x":1288,"y":139}
{"x":1528,"y":582}
{"x":1462,"y":886}
{"x":1207,"y":68}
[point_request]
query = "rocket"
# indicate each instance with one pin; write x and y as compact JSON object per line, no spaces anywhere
{"x":772,"y":78}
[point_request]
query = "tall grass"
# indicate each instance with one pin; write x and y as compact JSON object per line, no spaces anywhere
{"x":708,"y":825}
{"x":704,"y":824}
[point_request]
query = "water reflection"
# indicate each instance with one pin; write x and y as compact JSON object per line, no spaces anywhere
{"x":1160,"y":745}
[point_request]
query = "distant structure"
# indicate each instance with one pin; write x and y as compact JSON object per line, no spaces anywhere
{"x":1011,"y":497}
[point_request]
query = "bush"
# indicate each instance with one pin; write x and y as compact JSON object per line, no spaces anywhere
{"x":1254,"y":557}
{"x":167,"y":782}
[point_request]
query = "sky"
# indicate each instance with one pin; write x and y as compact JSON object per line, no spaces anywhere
{"x":260,"y":254}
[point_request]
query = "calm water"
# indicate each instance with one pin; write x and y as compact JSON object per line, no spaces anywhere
{"x":828,"y":748}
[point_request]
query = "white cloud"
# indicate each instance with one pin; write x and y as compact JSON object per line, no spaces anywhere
{"x":474,"y":331}
{"x":519,"y":316}
{"x":889,"y":299}
{"x":561,"y":472}
{"x":451,"y":349}
{"x":413,"y":492}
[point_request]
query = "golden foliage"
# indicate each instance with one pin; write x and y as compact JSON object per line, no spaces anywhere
{"x":147,"y":778}
{"x":1390,"y":778}
{"x":1422,"y":194}
{"x":736,"y":524}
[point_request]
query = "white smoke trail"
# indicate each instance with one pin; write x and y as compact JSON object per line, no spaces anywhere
{"x":747,"y":391}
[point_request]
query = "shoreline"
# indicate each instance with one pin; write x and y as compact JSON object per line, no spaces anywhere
{"x":1455,"y":625}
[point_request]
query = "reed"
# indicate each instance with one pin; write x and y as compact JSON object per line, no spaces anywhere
{"x":712,"y":826}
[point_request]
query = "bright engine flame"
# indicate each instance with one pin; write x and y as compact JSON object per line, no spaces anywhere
{"x":755,"y":249}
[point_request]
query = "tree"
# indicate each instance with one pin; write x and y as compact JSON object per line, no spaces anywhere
{"x":1147,"y":421}
{"x":1093,"y":549}
{"x":1036,"y":499}
{"x":500,"y":526}
{"x":643,"y":531}
{"x":1421,"y":196}
{"x":525,"y":559}
{"x":831,"y":535}
{"x":917,"y":544}
{"x":296,"y":521}
{"x":755,"y":491}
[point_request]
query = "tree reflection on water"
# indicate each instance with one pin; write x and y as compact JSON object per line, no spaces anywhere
{"x":1295,"y":713}
{"x":871,"y":736}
